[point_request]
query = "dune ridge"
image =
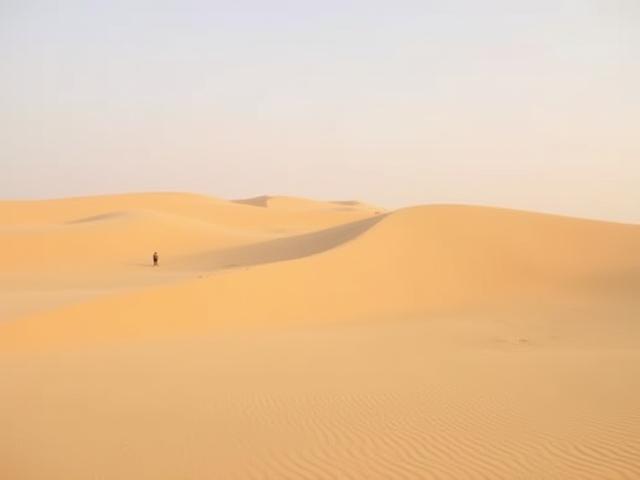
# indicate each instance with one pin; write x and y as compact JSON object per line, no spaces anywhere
{"x":301,"y":339}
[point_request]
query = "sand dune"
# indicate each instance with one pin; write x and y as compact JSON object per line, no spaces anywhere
{"x":306,"y":339}
{"x":83,"y":247}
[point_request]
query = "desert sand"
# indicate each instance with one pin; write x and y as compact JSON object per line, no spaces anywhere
{"x":286,"y":338}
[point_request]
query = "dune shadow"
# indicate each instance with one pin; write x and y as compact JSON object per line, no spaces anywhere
{"x":261,"y":201}
{"x":281,"y":249}
{"x":96,"y":218}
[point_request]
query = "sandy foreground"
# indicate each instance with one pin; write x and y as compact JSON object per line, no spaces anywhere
{"x":285,"y":338}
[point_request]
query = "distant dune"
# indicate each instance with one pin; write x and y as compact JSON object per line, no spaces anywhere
{"x":308,"y":339}
{"x":305,"y":204}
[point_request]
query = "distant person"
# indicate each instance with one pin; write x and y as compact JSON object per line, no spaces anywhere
{"x":155,"y":259}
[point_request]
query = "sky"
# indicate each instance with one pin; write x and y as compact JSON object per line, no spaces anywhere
{"x":522,"y":104}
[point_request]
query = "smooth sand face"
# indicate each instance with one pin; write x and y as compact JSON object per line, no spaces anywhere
{"x":289,"y":338}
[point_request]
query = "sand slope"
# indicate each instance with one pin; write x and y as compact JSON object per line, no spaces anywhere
{"x":288,"y":338}
{"x":52,"y":251}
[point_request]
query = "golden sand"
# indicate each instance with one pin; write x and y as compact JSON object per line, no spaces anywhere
{"x":285,"y":338}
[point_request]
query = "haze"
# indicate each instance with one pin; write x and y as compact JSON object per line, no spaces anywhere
{"x":395,"y":103}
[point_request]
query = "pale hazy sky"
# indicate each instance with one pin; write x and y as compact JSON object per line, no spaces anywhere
{"x":527,"y":104}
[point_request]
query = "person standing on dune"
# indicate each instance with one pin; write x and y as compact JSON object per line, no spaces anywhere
{"x":155,"y":259}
